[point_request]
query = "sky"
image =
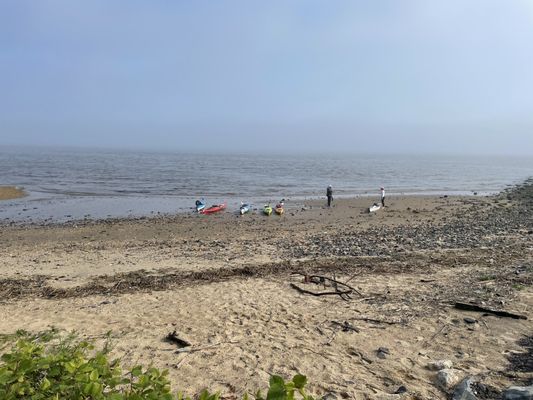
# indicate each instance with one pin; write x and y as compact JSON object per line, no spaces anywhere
{"x":382,"y":76}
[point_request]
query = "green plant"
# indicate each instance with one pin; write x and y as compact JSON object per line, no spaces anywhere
{"x":281,"y":390}
{"x":53,"y":366}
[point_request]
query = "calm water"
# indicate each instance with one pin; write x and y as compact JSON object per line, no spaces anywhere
{"x":74,"y":184}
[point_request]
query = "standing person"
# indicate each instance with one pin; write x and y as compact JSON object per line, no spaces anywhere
{"x":329,"y":193}
{"x":383,"y":197}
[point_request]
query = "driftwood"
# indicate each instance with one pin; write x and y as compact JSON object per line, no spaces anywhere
{"x":340,"y":293}
{"x":335,"y":283}
{"x":473,"y":307}
{"x":342,"y":289}
{"x":377,"y":321}
{"x":173,"y":338}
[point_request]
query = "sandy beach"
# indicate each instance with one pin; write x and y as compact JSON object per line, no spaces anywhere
{"x":228,"y":284}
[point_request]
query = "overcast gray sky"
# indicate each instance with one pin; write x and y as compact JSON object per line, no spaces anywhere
{"x":451,"y":76}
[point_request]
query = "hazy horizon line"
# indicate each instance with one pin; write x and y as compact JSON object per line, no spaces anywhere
{"x":269,"y":152}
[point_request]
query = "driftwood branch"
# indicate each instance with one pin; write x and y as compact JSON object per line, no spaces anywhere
{"x":339,"y":293}
{"x":335,"y":283}
{"x":473,"y":307}
{"x":376,"y":321}
{"x":341,"y":288}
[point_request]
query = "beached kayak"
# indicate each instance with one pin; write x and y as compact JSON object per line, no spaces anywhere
{"x":279,"y":208}
{"x":214,"y":208}
{"x":200,"y":205}
{"x":245,"y":208}
{"x":267,"y":209}
{"x":374,"y":207}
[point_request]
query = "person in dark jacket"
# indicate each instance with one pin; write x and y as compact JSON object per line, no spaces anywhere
{"x":329,"y":193}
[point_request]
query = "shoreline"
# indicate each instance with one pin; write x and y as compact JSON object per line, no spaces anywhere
{"x":223,"y":282}
{"x":364,"y":201}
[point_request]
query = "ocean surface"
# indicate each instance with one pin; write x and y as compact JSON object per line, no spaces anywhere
{"x":74,"y":184}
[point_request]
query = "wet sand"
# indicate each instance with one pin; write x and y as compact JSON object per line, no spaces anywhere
{"x":223,"y":282}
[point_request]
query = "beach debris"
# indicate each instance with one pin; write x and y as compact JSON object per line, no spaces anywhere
{"x":469,"y":320}
{"x":346,"y":326}
{"x":191,"y":349}
{"x":340,"y":288}
{"x":473,"y":307}
{"x":376,"y":321}
{"x":304,"y":291}
{"x":172,"y":337}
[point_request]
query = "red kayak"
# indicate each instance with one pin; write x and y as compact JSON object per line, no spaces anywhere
{"x":213,"y":209}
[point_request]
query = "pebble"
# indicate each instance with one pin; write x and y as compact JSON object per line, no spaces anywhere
{"x":382,"y":352}
{"x":400,"y":390}
{"x":448,"y":378}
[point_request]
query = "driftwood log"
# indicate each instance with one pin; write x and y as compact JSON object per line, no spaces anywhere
{"x":473,"y":307}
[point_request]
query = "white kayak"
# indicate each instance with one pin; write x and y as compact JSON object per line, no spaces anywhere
{"x":374,"y":207}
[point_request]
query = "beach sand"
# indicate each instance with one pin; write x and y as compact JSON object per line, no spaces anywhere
{"x":224,"y":283}
{"x":11,"y":192}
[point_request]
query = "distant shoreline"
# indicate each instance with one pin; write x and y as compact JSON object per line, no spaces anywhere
{"x":11,"y":192}
{"x":93,"y":209}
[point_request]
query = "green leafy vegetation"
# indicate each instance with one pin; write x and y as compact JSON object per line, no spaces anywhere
{"x":49,"y":365}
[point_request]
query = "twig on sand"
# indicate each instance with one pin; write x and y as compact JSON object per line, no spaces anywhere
{"x":180,"y":362}
{"x":427,"y":341}
{"x":376,"y":321}
{"x":473,"y":307}
{"x":341,"y":289}
{"x":191,"y":349}
{"x":346,"y":326}
{"x":340,"y":293}
{"x":351,"y":277}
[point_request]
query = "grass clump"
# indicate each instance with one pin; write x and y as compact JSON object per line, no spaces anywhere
{"x":53,"y":366}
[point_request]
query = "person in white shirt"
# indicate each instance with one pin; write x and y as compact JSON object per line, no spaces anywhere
{"x":383,"y":197}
